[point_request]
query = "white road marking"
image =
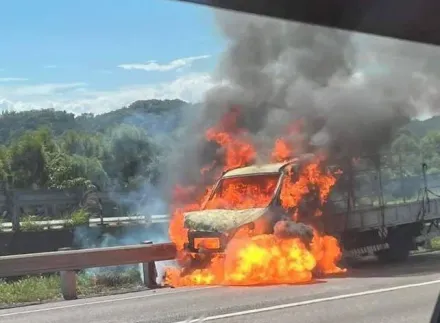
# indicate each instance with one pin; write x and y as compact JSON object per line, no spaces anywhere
{"x":127,"y":298}
{"x":308,"y":302}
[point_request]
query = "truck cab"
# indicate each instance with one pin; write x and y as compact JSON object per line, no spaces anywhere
{"x":243,"y":202}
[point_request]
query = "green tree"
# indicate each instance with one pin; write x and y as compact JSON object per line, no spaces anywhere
{"x":130,"y":154}
{"x":27,"y":158}
{"x":405,"y":144}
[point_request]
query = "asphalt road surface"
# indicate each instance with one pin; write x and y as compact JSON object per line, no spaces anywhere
{"x":392,"y":294}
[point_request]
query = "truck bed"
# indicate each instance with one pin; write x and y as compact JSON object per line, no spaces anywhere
{"x":392,"y":215}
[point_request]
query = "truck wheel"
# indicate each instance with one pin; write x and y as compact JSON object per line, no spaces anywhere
{"x":393,"y":255}
{"x":399,"y":241}
{"x":351,"y":262}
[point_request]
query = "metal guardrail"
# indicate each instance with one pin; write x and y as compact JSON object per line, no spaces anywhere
{"x":67,"y":262}
{"x":163,"y":218}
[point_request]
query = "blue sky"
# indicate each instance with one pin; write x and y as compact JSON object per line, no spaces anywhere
{"x":96,"y":55}
{"x":99,"y":55}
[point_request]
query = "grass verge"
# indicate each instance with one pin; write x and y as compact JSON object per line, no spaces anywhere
{"x":44,"y":288}
{"x":435,"y":243}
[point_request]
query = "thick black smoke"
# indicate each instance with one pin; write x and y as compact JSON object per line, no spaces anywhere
{"x":277,"y":72}
{"x":289,"y":230}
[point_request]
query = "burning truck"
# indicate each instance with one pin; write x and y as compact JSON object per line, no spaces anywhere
{"x":293,"y":218}
{"x":290,"y":221}
{"x":252,"y":201}
{"x":257,"y":225}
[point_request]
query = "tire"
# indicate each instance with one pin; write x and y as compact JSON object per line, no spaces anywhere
{"x":393,"y":255}
{"x":399,"y":241}
{"x":351,"y":262}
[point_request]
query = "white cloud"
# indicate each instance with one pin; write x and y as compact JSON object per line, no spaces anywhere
{"x":151,"y":66}
{"x":78,"y":98}
{"x":12,"y":79}
{"x":50,"y":66}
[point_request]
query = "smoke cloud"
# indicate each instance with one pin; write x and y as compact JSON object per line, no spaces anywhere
{"x":351,"y":91}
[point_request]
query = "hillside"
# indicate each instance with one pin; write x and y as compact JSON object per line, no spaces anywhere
{"x":421,"y":128}
{"x":151,"y":115}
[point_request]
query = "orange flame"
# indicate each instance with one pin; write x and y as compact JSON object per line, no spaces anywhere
{"x":252,"y":258}
{"x":282,"y":151}
{"x":263,"y":259}
{"x":244,"y":193}
{"x":294,"y":190}
{"x":176,"y":230}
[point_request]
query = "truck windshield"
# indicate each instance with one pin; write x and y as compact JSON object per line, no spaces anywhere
{"x":246,"y":192}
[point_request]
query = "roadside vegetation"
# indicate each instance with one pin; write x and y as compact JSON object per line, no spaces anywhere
{"x":435,"y":243}
{"x":28,"y":223}
{"x":38,"y":289}
{"x":43,"y":149}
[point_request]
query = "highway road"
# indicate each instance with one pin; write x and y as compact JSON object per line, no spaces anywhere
{"x":392,"y":294}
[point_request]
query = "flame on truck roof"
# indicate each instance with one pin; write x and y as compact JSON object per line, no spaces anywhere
{"x":256,"y":169}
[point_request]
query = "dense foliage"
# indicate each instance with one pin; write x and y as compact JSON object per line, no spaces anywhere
{"x":55,"y":149}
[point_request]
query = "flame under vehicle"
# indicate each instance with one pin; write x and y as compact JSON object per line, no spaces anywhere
{"x":368,"y":210}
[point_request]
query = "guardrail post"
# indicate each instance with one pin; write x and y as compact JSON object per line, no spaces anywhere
{"x":149,"y":271}
{"x":12,"y":205}
{"x":68,"y":282}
